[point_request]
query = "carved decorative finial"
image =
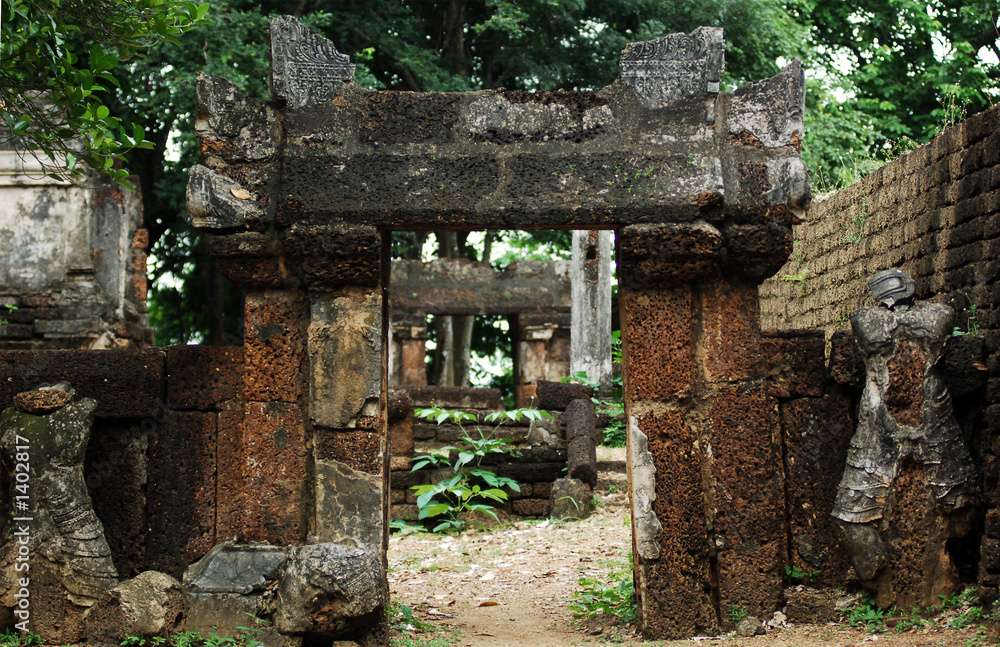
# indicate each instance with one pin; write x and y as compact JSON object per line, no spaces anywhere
{"x":674,"y":66}
{"x":305,"y":67}
{"x":894,"y":288}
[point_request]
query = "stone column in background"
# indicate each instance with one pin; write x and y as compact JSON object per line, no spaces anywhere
{"x":590,"y":344}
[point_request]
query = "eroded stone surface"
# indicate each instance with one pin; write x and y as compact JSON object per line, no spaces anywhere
{"x":70,"y":560}
{"x":150,"y":604}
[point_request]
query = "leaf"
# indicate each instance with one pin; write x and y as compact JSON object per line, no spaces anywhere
{"x":239,"y":193}
{"x":487,"y":603}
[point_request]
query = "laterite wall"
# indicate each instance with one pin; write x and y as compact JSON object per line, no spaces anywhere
{"x":935,"y":213}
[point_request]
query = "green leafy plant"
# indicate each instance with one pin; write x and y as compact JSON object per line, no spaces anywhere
{"x":10,"y":308}
{"x":471,"y":488}
{"x":11,"y":638}
{"x":614,"y":595}
{"x":736,"y":614}
{"x":795,"y":575}
{"x":580,"y":377}
{"x":186,"y":639}
{"x":971,"y":321}
{"x":866,"y":615}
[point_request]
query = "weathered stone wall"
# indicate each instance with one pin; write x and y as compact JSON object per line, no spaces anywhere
{"x":74,"y":261}
{"x":166,"y":459}
{"x":935,"y":213}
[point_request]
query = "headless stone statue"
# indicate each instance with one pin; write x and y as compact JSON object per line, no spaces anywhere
{"x":905,"y":423}
{"x":55,"y":553}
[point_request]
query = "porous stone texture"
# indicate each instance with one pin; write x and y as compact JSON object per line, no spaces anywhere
{"x":817,"y":432}
{"x":125,"y":383}
{"x":748,"y":522}
{"x":796,"y":361}
{"x":580,"y":445}
{"x":703,"y":217}
{"x":807,"y":605}
{"x":203,"y":377}
{"x":274,"y":346}
{"x":400,"y":413}
{"x":116,"y":473}
{"x":571,"y":499}
{"x":656,"y":326}
{"x":57,"y":532}
{"x":41,"y":401}
{"x":149,"y":605}
{"x":276,"y":469}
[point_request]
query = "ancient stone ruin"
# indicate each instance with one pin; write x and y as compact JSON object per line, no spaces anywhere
{"x":229,"y":481}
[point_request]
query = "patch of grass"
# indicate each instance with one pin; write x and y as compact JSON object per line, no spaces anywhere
{"x":795,"y":575}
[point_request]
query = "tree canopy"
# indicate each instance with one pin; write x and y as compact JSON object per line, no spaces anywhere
{"x":58,"y":61}
{"x":884,"y":72}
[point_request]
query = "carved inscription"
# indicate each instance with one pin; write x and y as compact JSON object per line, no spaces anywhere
{"x":674,"y":66}
{"x":305,"y":67}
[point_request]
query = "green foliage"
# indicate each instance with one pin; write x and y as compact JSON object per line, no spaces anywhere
{"x":866,"y":615}
{"x":615,"y":433}
{"x":912,"y":621}
{"x":971,"y":321}
{"x":9,"y":308}
{"x":10,"y":638}
{"x":471,"y":488}
{"x":795,"y":575}
{"x":736,"y":614}
{"x":614,"y":595}
{"x":58,"y":61}
{"x":581,"y":377}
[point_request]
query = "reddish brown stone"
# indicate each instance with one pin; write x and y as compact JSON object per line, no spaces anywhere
{"x":904,"y":396}
{"x":680,"y":579}
{"x":41,"y":402}
{"x":531,"y":507}
{"x":360,"y":450}
{"x":181,"y":498}
{"x":817,"y":433}
{"x":274,"y":346}
{"x":276,"y":469}
{"x":115,"y":472}
{"x":847,"y":366}
{"x":401,"y":436}
{"x":203,"y":377}
{"x":232,"y":485}
{"x":795,"y":363}
{"x":656,"y":330}
{"x":125,"y":383}
{"x":731,"y":326}
{"x":557,"y":396}
{"x":749,"y":524}
{"x":414,"y":358}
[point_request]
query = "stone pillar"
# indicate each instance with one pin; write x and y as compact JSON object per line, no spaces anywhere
{"x":590,"y":345}
{"x":408,"y":351}
{"x":704,"y":460}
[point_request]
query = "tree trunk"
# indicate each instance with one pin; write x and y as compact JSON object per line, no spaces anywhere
{"x":443,"y":354}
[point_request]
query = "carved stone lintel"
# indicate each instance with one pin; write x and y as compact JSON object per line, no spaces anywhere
{"x":305,"y":67}
{"x":674,"y":66}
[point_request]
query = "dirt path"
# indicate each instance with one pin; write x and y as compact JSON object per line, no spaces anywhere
{"x":511,"y":585}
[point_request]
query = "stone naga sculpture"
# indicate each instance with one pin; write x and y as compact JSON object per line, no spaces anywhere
{"x":905,"y":418}
{"x":60,"y":562}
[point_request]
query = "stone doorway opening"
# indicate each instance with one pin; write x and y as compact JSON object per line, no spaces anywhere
{"x":554,"y":319}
